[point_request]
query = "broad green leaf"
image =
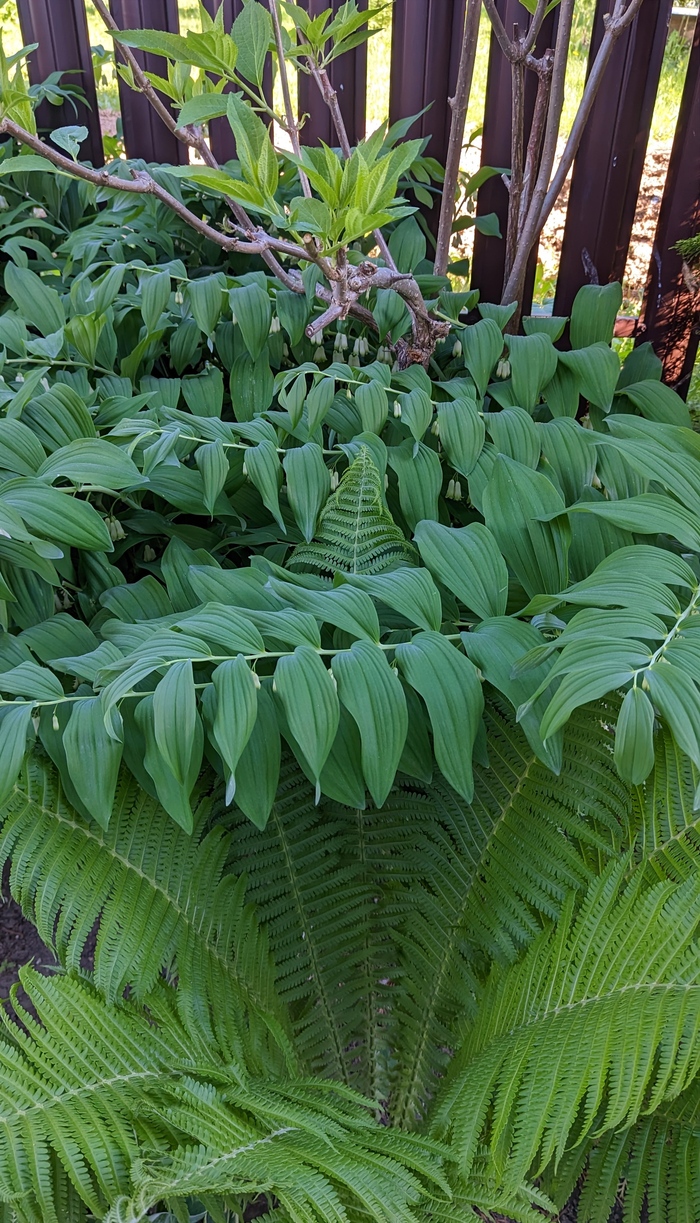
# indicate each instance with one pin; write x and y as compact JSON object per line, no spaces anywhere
{"x":20,"y":449}
{"x":634,"y":737}
{"x":93,"y":758}
{"x":416,"y":412}
{"x":449,"y":685}
{"x":226,"y":627}
{"x":258,"y":769}
{"x":38,"y":303}
{"x":202,"y":108}
{"x":308,"y":695}
{"x":56,"y":515}
{"x":533,"y":363}
{"x":155,"y":295}
{"x":549,"y":325}
{"x":15,"y":722}
{"x":204,"y":392}
{"x":253,"y":146}
{"x":411,"y":592}
{"x":174,"y":718}
{"x":252,"y":310}
{"x":206,"y":302}
{"x":345,"y":607}
{"x":293,"y":313}
{"x":308,"y":485}
{"x":252,"y":34}
{"x":597,"y":369}
{"x":501,"y":315}
{"x":265,"y":470}
{"x":462,"y":433}
{"x":562,"y":393}
{"x":371,"y":692}
{"x":580,"y":687}
{"x":675,"y":472}
{"x":173,"y":795}
{"x":657,"y":402}
{"x":212,"y":462}
{"x":514,"y":501}
{"x":236,"y":710}
{"x":593,"y":314}
{"x":341,"y":777}
{"x":496,"y":646}
{"x":31,"y":681}
{"x":677,"y":699}
{"x":468,"y":562}
{"x":420,"y":480}
{"x":514,"y":433}
{"x":482,"y":345}
{"x":570,"y":450}
{"x":373,"y":405}
{"x":648,"y":514}
{"x":91,"y":461}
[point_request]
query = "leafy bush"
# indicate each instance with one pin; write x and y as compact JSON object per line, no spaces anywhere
{"x":354,"y":701}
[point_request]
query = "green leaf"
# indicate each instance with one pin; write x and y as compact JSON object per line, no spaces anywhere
{"x":570,"y":450}
{"x":15,"y":722}
{"x":449,"y":685}
{"x":482,"y":345}
{"x":92,"y":758}
{"x":345,"y":607}
{"x":533,"y":363}
{"x":562,"y":394}
{"x":252,"y":34}
{"x":253,"y":146}
{"x":411,"y":592}
{"x":416,"y":412}
{"x":546,"y":324}
{"x":20,"y":449}
{"x":293,"y":313}
{"x":174,"y":718}
{"x":468,"y":562}
{"x":597,"y":369}
{"x":265,"y":471}
{"x":70,"y":138}
{"x":155,"y":295}
{"x":39,"y":304}
{"x":515,"y":500}
{"x":514,"y":433}
{"x":173,"y":795}
{"x":236,"y":689}
{"x":258,"y":769}
{"x":228,"y":627}
{"x":648,"y":514}
{"x":308,"y":485}
{"x":593,"y":314}
{"x":202,"y":108}
{"x":658,"y":402}
{"x":90,"y":461}
{"x":462,"y":433}
{"x":308,"y":695}
{"x":212,"y":462}
{"x":371,"y":692}
{"x":373,"y":405}
{"x":678,"y":701}
{"x":252,"y":309}
{"x":581,"y":686}
{"x":206,"y":302}
{"x":31,"y":681}
{"x":419,"y":474}
{"x":56,"y":515}
{"x":634,"y":737}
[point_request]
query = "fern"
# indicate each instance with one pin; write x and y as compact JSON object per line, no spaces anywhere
{"x":98,"y":1092}
{"x":356,"y":533}
{"x":665,"y":815}
{"x":161,"y":899}
{"x":596,"y":1026}
{"x":351,"y":900}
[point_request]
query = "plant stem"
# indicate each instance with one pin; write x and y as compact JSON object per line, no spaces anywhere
{"x":546,"y":193}
{"x":292,"y":127}
{"x":515,"y":185}
{"x":459,"y":105}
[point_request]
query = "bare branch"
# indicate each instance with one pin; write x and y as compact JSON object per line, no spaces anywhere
{"x":508,"y":48}
{"x":459,"y":104}
{"x":291,"y":124}
{"x":528,"y":42}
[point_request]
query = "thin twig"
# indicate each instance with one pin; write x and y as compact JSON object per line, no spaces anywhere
{"x":543,"y":67}
{"x":528,"y":42}
{"x":459,"y":104}
{"x":291,"y":124}
{"x":517,"y":137}
{"x":507,"y":47}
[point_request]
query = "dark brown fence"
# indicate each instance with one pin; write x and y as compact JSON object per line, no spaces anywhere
{"x":425,"y":46}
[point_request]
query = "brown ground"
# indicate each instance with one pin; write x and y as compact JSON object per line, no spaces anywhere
{"x":19,"y":944}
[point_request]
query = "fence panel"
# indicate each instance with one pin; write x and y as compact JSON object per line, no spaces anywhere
{"x":608,"y":169}
{"x":60,"y":29}
{"x":348,"y":76}
{"x":144,"y":133}
{"x":425,"y":47}
{"x":671,"y":312}
{"x":488,"y":262}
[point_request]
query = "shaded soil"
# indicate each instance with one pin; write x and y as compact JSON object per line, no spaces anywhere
{"x":19,"y":944}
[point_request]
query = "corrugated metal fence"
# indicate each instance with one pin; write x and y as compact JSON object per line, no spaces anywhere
{"x":425,"y":46}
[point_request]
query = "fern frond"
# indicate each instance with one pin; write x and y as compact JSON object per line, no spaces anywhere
{"x":161,"y":898}
{"x":135,"y":1112}
{"x":666,"y":815}
{"x":355,"y":533}
{"x":654,"y":1167}
{"x":596,"y":1026}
